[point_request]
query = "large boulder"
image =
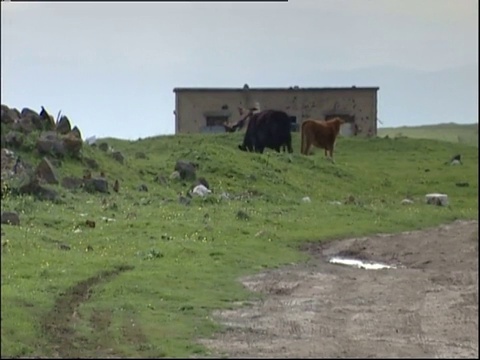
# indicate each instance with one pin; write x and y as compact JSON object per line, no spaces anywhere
{"x":96,"y":185}
{"x":10,"y":218}
{"x":49,"y":143}
{"x":46,"y":172}
{"x":73,"y":144}
{"x":63,"y":126}
{"x":76,"y":132}
{"x":48,"y":122}
{"x":8,"y":116}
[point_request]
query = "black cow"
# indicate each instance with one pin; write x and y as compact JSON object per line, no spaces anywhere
{"x":268,"y":129}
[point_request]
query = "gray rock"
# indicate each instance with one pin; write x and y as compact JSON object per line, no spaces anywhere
{"x":8,"y":116}
{"x":118,"y":156}
{"x":96,"y":185}
{"x":143,"y":187}
{"x":436,"y":199}
{"x":91,"y":163}
{"x":406,"y":202}
{"x":14,"y":139}
{"x":184,"y":200}
{"x":10,"y":218}
{"x":175,"y":175}
{"x":63,"y":126}
{"x":186,"y":169}
{"x":71,"y":182}
{"x":45,"y":171}
{"x":103,"y":146}
{"x":306,"y":199}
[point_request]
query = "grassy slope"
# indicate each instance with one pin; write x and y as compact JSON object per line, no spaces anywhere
{"x":457,"y":133}
{"x":159,"y":307}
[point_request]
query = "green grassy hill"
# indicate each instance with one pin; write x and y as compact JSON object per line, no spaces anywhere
{"x":457,"y":133}
{"x":144,"y":281}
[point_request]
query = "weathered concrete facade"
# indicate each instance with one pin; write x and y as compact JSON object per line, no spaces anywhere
{"x":205,"y":109}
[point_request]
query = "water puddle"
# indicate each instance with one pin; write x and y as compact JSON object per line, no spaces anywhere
{"x":360,"y":264}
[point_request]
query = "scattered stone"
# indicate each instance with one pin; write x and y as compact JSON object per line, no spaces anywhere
{"x":64,"y":247}
{"x":31,"y":186}
{"x":306,"y":199}
{"x":25,"y":125}
{"x":350,"y":200}
{"x":184,"y":200}
{"x":140,"y":155}
{"x":76,"y":132}
{"x":47,"y":120}
{"x":103,"y":146}
{"x":242,"y":215}
{"x":225,"y":196}
{"x":187,"y":170}
{"x":462,"y":184}
{"x":14,"y":139}
{"x":71,"y":182}
{"x":107,"y":219}
{"x":63,"y":126}
{"x":175,"y":175}
{"x":118,"y":156}
{"x":143,"y":187}
{"x":96,"y":185}
{"x":201,"y":190}
{"x":91,"y":163}
{"x":46,"y":172}
{"x":73,"y":144}
{"x":8,"y":116}
{"x":436,"y":199}
{"x":456,"y":160}
{"x":335,"y":202}
{"x":49,"y":143}
{"x":406,"y":201}
{"x":10,"y":218}
{"x":202,"y":181}
{"x":90,"y":223}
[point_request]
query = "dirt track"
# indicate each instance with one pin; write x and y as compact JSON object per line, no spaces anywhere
{"x":426,"y":307}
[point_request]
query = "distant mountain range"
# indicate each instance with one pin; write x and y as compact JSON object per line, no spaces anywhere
{"x":412,"y":97}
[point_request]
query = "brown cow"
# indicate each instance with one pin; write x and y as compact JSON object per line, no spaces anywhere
{"x":321,"y":134}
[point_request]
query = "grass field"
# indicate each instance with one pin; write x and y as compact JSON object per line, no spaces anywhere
{"x":456,"y":133}
{"x":144,"y":281}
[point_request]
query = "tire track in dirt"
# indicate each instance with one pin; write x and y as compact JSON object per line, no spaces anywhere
{"x":57,"y":322}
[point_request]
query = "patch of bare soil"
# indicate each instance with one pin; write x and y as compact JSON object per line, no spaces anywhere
{"x":426,"y":307}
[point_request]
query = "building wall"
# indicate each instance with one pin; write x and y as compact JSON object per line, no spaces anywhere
{"x":193,"y":105}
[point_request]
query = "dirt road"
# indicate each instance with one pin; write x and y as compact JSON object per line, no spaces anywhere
{"x":426,"y":307}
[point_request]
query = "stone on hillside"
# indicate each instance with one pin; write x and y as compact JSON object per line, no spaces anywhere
{"x":30,"y":120}
{"x":118,"y":156}
{"x":10,"y":218}
{"x":45,"y":171}
{"x":76,"y":132}
{"x":33,"y":187}
{"x":143,"y":187}
{"x":96,"y":185}
{"x":202,"y":181}
{"x":184,"y":200}
{"x":14,"y":139}
{"x":456,"y":162}
{"x":91,"y":163}
{"x":63,"y":125}
{"x":406,"y":202}
{"x":48,"y":123}
{"x":103,"y":146}
{"x":201,"y":190}
{"x":436,"y":199}
{"x":50,"y":144}
{"x":462,"y":184}
{"x":26,"y":125}
{"x":306,"y":199}
{"x":8,"y":116}
{"x":187,"y":170}
{"x":72,"y":144}
{"x":71,"y":182}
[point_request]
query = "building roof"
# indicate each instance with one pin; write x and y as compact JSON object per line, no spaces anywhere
{"x":295,"y":88}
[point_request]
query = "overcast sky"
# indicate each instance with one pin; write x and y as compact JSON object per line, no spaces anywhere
{"x":112,"y":67}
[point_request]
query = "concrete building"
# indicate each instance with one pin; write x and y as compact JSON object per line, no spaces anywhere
{"x":206,"y":109}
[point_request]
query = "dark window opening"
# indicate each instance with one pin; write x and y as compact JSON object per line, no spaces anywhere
{"x":216,"y":120}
